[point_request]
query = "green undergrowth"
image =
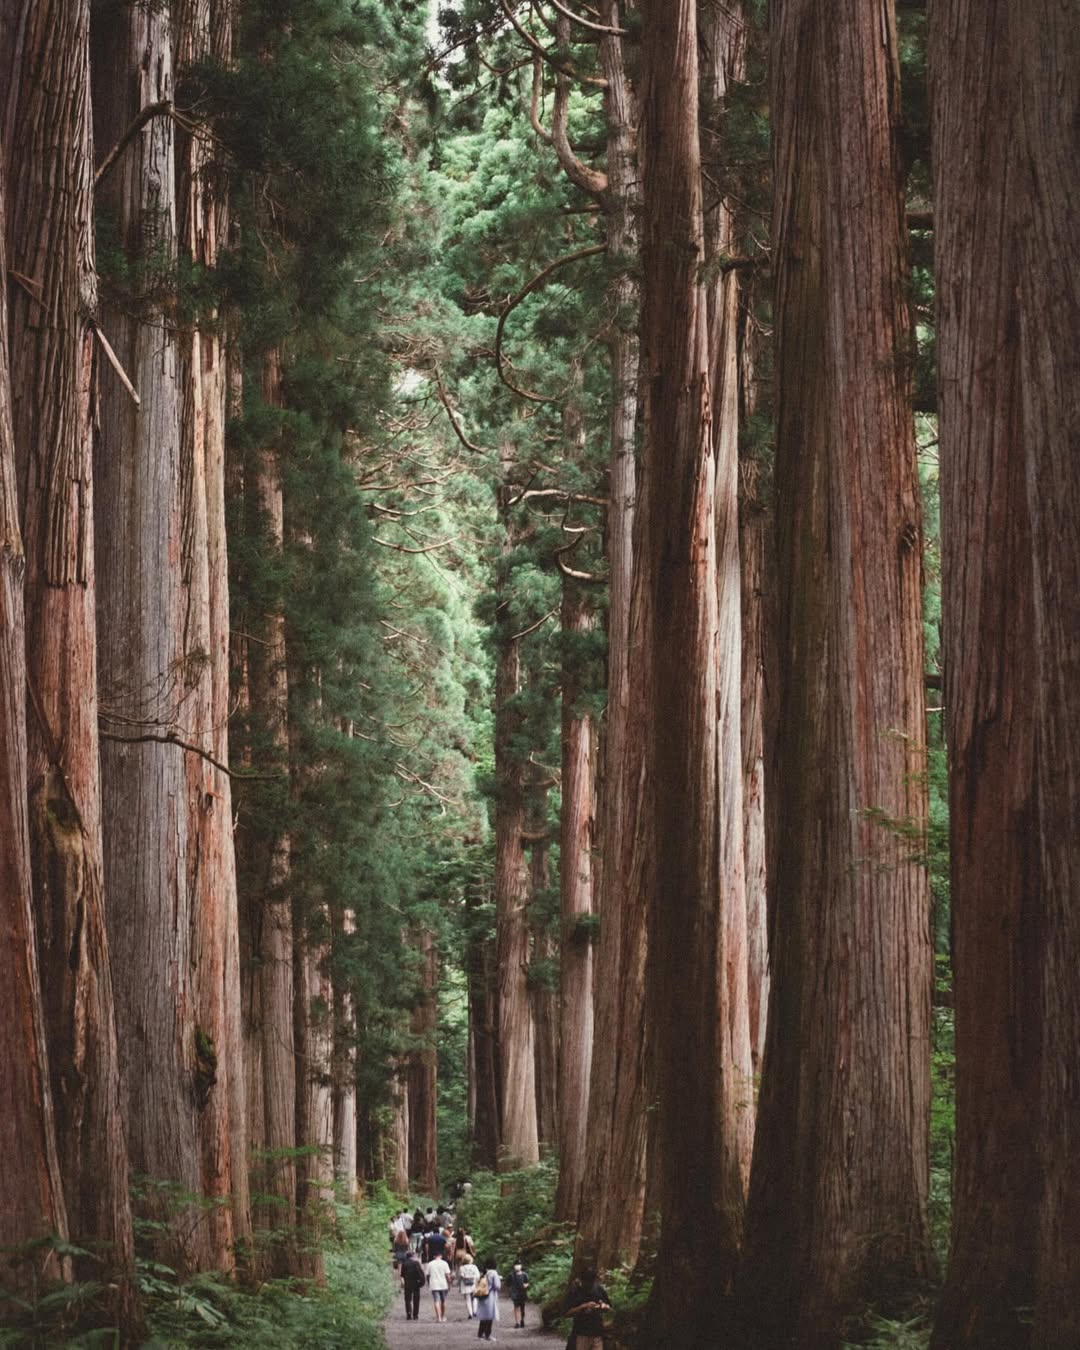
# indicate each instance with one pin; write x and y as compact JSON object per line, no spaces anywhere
{"x":210,"y":1310}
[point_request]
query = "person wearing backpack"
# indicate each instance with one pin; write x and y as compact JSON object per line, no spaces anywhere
{"x":487,"y":1300}
{"x":517,"y":1282}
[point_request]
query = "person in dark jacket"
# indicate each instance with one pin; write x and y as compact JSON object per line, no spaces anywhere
{"x":586,"y":1303}
{"x":412,"y":1281}
{"x":517,"y":1282}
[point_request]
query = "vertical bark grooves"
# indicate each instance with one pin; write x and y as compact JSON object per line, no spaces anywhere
{"x":31,"y":1195}
{"x":838,"y":1187}
{"x":542,"y":997}
{"x":484,"y":1092}
{"x":344,"y":1066}
{"x":518,"y":1142}
{"x":990,"y":640}
{"x":313,"y":1039}
{"x":212,"y":860}
{"x":723,"y":42}
{"x":50,"y":228}
{"x":575,"y":903}
{"x":613,"y":1194}
{"x":147,"y":673}
{"x":1046,"y":41}
{"x":420,"y":1075}
{"x":701,"y":1186}
{"x":268,"y":967}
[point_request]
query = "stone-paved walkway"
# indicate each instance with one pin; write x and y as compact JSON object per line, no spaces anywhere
{"x":457,"y":1331}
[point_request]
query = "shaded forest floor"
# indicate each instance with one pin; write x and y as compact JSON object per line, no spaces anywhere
{"x":458,"y":1330}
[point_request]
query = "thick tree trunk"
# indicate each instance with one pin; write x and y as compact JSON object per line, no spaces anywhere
{"x":990,"y":662}
{"x":344,"y":1069}
{"x":421,"y":1072}
{"x":576,"y":845}
{"x":722,"y":40}
{"x":148,"y":669}
{"x":519,"y":1144}
{"x":542,"y":996}
{"x":395,"y":1146}
{"x":313,"y":1037}
{"x":47,"y":94}
{"x":698,"y":1094}
{"x":1048,"y":46}
{"x":267,"y":970}
{"x":212,"y":859}
{"x":613,"y":1192}
{"x":837,"y":1213}
{"x":484,"y":1094}
{"x":31,"y":1195}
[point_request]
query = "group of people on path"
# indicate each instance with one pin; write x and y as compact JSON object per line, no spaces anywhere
{"x":428,"y":1250}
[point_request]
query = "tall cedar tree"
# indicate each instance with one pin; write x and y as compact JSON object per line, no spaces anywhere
{"x":1005,"y":81}
{"x":50,"y":229}
{"x":31,"y":1195}
{"x":148,"y":669}
{"x":837,"y":1207}
{"x":700,"y":1187}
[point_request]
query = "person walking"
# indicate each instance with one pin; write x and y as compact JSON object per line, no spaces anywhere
{"x":438,"y":1275}
{"x":412,"y":1281}
{"x":487,"y":1301}
{"x":468,"y":1274}
{"x":464,"y":1250}
{"x":517,"y":1282}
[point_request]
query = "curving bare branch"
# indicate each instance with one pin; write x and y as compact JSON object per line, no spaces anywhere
{"x":594,"y":81}
{"x":587,"y":23}
{"x":516,"y":300}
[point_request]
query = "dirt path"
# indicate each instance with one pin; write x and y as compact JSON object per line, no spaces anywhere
{"x":457,"y":1331}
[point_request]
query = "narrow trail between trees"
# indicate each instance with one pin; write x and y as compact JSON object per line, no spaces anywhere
{"x":457,"y":1331}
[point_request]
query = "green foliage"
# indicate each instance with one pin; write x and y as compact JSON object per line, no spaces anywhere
{"x":507,"y":1210}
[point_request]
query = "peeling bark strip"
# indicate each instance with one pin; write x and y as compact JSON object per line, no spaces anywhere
{"x":31,"y":1198}
{"x":51,"y":234}
{"x":837,"y":1209}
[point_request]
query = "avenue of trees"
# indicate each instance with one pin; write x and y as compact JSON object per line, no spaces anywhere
{"x":540,"y":617}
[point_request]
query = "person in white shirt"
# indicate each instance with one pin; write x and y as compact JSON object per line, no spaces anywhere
{"x":438,"y":1277}
{"x":469,"y":1273}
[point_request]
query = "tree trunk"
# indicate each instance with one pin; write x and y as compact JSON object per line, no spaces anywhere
{"x":518,"y":1141}
{"x":576,"y":844}
{"x":47,"y":94}
{"x":212,"y":859}
{"x":421,"y":1073}
{"x":267,"y":970}
{"x":837,"y":1214}
{"x":313,"y":1038}
{"x":148,"y":669}
{"x":990,"y":662}
{"x":613,"y":1192}
{"x":395,"y":1150}
{"x":542,"y":995}
{"x":722,"y":43}
{"x":701,"y":1188}
{"x":31,"y":1195}
{"x":344,"y":1070}
{"x":484,"y":1094}
{"x":1048,"y":46}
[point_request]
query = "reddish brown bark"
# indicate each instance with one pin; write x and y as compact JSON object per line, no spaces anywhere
{"x":700,"y":1187}
{"x":576,"y":843}
{"x":51,"y":234}
{"x":147,"y":668}
{"x":837,"y":1210}
{"x":344,"y":1068}
{"x":542,"y":995}
{"x":518,"y":1140}
{"x":613,"y":1192}
{"x":31,"y":1196}
{"x":267,"y":967}
{"x":212,"y":859}
{"x":1007,"y":192}
{"x":989,"y":635}
{"x":484,"y":1095}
